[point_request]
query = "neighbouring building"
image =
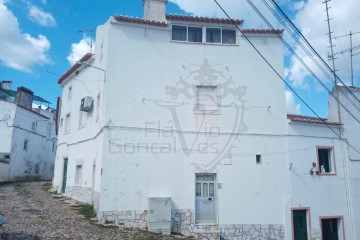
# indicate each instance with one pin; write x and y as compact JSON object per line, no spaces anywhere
{"x":176,"y":124}
{"x":28,"y":139}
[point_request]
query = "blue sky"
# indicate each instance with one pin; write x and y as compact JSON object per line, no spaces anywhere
{"x":40,"y":38}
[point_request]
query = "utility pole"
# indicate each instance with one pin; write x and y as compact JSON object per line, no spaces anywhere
{"x":351,"y":49}
{"x":331,"y":57}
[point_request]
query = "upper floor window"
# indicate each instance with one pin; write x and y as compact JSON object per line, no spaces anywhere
{"x":195,"y":34}
{"x":218,"y":35}
{"x":326,"y":161}
{"x":185,"y":33}
{"x":179,"y":33}
{"x":67,"y":123}
{"x":70,"y":92}
{"x":206,"y":99}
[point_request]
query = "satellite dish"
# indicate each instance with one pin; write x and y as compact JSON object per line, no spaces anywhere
{"x":2,"y":220}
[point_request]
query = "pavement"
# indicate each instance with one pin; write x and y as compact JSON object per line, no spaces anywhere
{"x":31,"y":213}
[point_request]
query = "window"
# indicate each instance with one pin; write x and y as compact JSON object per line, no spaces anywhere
{"x":179,"y":33}
{"x":26,"y":144}
{"x":258,"y":159}
{"x":228,"y":36}
{"x":33,"y":127}
{"x":70,"y":92}
{"x":326,"y":161}
{"x":82,"y":118}
{"x":206,"y":98}
{"x":217,"y":35}
{"x":195,"y":34}
{"x":213,"y":35}
{"x":67,"y":123}
{"x":78,"y":174}
{"x":332,"y":227}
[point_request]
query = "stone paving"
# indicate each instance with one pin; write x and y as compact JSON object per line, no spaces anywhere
{"x":31,"y":213}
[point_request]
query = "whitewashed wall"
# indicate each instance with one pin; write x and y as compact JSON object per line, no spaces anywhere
{"x":38,"y":159}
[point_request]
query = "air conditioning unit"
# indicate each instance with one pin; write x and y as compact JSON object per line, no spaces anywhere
{"x":86,"y":104}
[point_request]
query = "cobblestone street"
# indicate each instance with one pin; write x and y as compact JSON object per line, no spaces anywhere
{"x":33,"y":213}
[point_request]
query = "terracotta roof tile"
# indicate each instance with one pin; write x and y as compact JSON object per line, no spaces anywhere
{"x":307,"y":119}
{"x":74,"y":67}
{"x":127,"y":19}
{"x":263,"y":31}
{"x":203,"y":19}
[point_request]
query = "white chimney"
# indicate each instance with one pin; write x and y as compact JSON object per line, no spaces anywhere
{"x":155,"y":10}
{"x":6,"y":84}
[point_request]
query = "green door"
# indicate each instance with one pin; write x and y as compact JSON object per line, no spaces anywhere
{"x":300,"y":225}
{"x":64,"y":175}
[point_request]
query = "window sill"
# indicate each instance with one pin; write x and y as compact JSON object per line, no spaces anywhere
{"x":66,"y":132}
{"x":327,"y":174}
{"x":206,"y":43}
{"x":82,"y":126}
{"x":204,"y":112}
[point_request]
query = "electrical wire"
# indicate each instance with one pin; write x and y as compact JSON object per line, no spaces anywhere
{"x":279,"y":75}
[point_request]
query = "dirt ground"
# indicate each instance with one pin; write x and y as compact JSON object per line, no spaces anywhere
{"x":31,"y":213}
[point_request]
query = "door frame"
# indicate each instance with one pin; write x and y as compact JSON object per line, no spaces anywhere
{"x":63,"y":188}
{"x":216,"y":204}
{"x":341,"y":226}
{"x":308,"y":221}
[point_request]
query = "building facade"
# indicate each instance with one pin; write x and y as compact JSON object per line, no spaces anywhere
{"x":176,"y":124}
{"x":28,"y":139}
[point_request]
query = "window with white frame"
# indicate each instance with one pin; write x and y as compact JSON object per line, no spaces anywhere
{"x":67,"y":123}
{"x":194,"y":34}
{"x":326,"y":161}
{"x":206,"y":99}
{"x":78,"y":174}
{"x":186,"y":34}
{"x":82,"y":118}
{"x":179,"y":33}
{"x":69,"y":92}
{"x":218,"y":35}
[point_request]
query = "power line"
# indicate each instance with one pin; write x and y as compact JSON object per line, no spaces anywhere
{"x":298,"y":57}
{"x":310,"y":46}
{"x":278,"y":74}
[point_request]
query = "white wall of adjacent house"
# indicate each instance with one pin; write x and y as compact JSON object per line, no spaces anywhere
{"x":6,"y":119}
{"x":350,"y":124}
{"x":153,"y":147}
{"x":30,"y":140}
{"x":324,"y":193}
{"x":80,"y":135}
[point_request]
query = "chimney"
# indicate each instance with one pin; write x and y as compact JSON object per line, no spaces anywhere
{"x":24,"y":97}
{"x":155,"y":10}
{"x":5,"y":84}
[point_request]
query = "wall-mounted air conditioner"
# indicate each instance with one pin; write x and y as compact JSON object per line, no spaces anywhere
{"x":86,"y":104}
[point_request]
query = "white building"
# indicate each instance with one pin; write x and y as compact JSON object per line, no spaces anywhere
{"x":28,"y":139}
{"x":176,"y":124}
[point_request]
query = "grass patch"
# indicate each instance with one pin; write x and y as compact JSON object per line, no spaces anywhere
{"x":21,"y":190}
{"x":47,"y":186}
{"x":86,"y":210}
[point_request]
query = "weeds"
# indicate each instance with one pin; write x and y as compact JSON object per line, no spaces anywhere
{"x":21,"y":189}
{"x":86,"y":210}
{"x":47,"y":186}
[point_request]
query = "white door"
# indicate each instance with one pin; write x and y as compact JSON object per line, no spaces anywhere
{"x":205,"y":208}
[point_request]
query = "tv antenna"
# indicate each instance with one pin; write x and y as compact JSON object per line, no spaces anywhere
{"x":91,"y":31}
{"x":331,"y":57}
{"x":351,"y":49}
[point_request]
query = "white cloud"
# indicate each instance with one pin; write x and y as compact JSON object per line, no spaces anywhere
{"x":235,"y":8}
{"x":19,"y":49}
{"x":78,"y":50}
{"x":41,"y":17}
{"x":291,"y":106}
{"x":311,"y":20}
